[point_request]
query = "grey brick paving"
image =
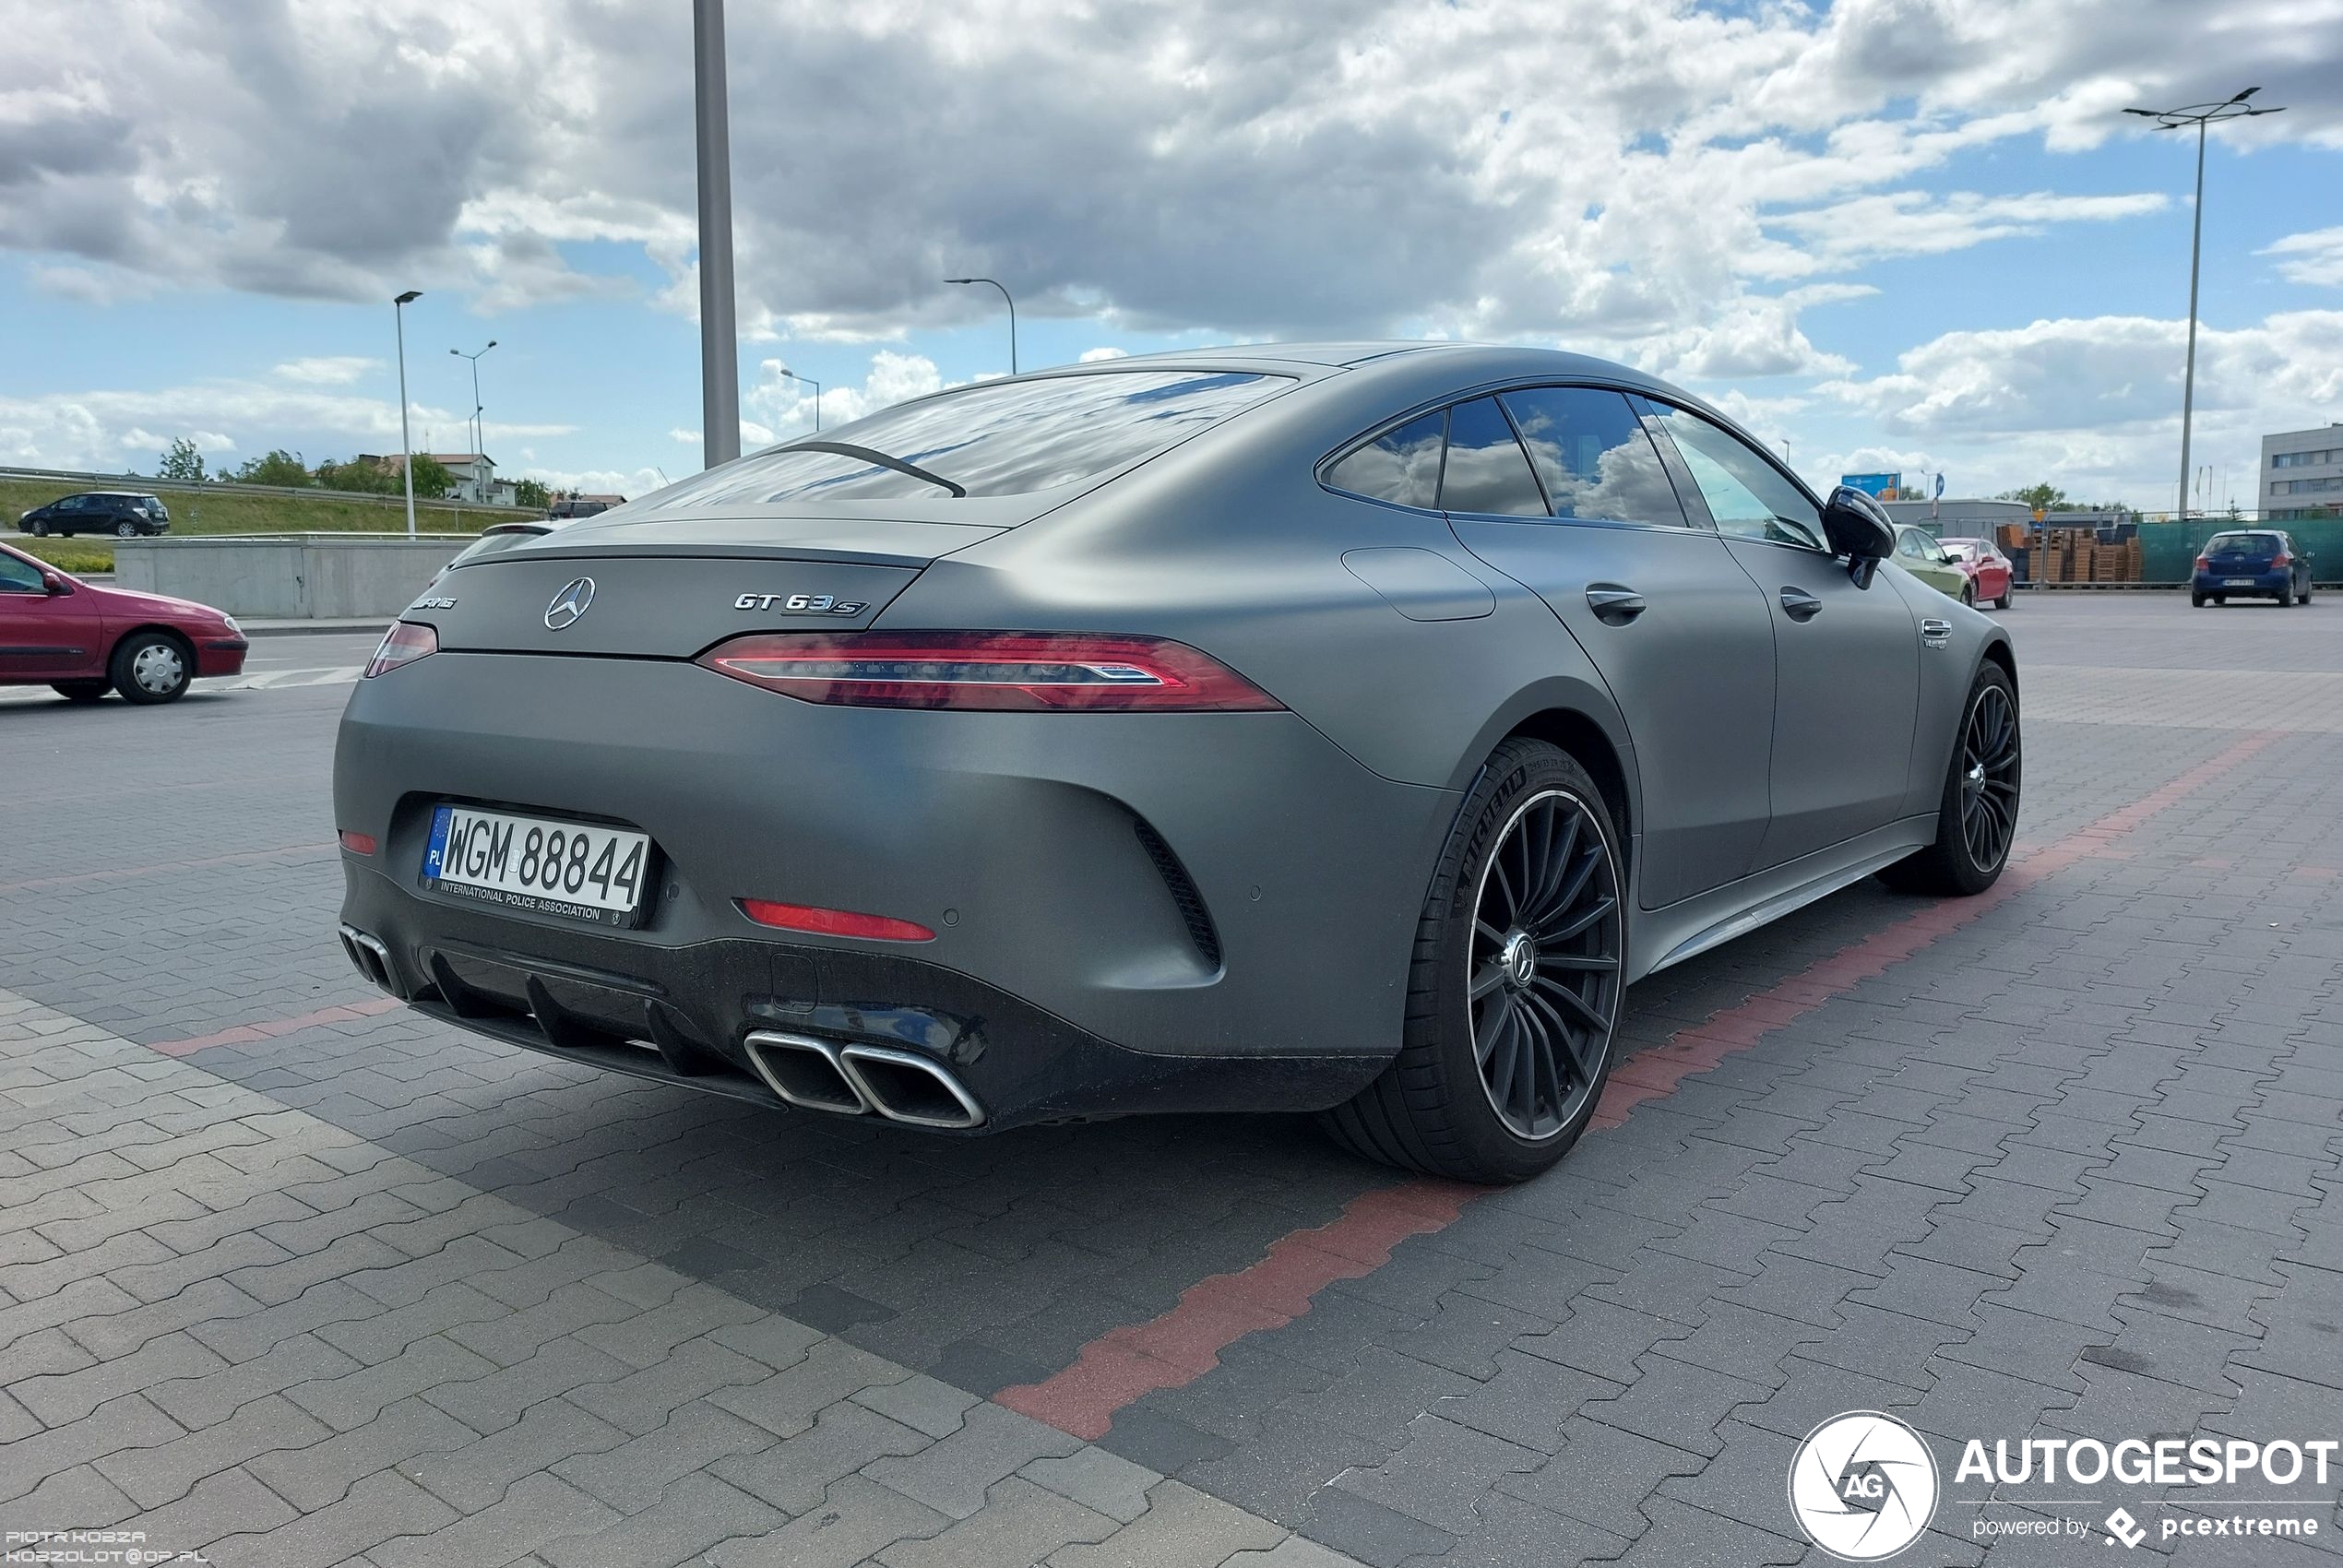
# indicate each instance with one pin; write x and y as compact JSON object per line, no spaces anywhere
{"x":380,"y":1288}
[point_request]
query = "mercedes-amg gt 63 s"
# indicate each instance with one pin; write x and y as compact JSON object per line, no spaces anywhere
{"x":1338,"y":729}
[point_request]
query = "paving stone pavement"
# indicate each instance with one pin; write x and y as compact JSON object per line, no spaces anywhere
{"x":296,"y":1278}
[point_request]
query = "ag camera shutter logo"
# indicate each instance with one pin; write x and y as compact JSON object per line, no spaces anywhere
{"x":1863,"y":1486}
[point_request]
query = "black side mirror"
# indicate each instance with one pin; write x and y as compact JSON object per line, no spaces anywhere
{"x":1858,"y":529}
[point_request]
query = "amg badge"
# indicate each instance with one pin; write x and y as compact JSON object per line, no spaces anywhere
{"x":801,"y":603}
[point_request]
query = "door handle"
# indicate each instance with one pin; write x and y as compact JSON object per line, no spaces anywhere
{"x":1614,"y":605}
{"x":1799,"y":605}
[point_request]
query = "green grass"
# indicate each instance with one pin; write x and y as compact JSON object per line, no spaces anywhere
{"x":199,"y":512}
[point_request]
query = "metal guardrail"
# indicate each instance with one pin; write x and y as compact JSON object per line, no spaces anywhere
{"x":233,"y":487}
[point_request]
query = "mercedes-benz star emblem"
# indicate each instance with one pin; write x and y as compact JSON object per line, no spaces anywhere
{"x":569,"y":604}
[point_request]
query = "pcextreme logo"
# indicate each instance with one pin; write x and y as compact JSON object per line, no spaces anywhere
{"x":1863,"y":1486}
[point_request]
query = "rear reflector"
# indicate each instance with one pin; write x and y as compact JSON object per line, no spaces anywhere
{"x":833,"y":922}
{"x":405,"y":642}
{"x":998,"y":672}
{"x":358,"y":843}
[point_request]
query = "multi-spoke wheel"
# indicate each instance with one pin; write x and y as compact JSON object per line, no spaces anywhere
{"x":1519,"y":965}
{"x":1977,"y":820}
{"x":1989,"y":775}
{"x":1545,"y":964}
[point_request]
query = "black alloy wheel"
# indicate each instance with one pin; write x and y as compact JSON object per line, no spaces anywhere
{"x":1516,"y":985}
{"x":1544,"y":966}
{"x":1989,"y":775}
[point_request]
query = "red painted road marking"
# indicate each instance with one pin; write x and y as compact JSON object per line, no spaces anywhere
{"x":269,"y":1029}
{"x":1184,"y":1343}
{"x":1114,"y":1370}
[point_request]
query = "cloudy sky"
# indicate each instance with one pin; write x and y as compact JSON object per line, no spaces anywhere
{"x":1887,"y":233}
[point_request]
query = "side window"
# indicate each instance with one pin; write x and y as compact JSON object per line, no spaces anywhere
{"x":1747,"y":496}
{"x":1487,"y":470}
{"x":1592,"y":454}
{"x":19,"y":576}
{"x":1401,"y":466}
{"x":1907,"y":545}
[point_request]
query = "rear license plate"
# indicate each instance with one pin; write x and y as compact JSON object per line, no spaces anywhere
{"x":2237,"y":582}
{"x":573,"y":869}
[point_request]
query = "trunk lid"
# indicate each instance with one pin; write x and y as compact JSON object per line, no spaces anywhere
{"x":668,"y":588}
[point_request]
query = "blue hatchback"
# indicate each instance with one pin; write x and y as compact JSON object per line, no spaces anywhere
{"x":2251,"y":563}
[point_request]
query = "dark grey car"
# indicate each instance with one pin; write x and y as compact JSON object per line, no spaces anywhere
{"x":1338,"y":728}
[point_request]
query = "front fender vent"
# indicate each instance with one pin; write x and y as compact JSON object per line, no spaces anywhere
{"x":1182,"y":888}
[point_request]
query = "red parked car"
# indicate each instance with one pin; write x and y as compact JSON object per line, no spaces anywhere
{"x":1987,"y":569}
{"x":56,"y":630}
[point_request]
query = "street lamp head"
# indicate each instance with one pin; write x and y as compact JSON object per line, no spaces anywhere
{"x":959,"y":279}
{"x":2246,"y":94}
{"x":409,"y":297}
{"x":492,"y":343}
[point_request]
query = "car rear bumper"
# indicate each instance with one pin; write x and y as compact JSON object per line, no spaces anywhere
{"x":2281,"y":581}
{"x":1132,"y":911}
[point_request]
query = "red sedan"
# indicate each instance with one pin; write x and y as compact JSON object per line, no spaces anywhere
{"x":56,"y":630}
{"x":1987,"y":569}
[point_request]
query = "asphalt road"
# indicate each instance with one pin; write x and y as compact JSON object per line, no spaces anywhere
{"x":292,"y":1276}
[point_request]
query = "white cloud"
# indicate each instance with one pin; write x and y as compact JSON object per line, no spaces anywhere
{"x":2314,"y":257}
{"x":2097,"y":401}
{"x":787,"y":405}
{"x":91,"y":429}
{"x":1092,"y":356}
{"x":328,"y":370}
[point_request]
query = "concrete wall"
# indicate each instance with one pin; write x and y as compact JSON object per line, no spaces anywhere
{"x":310,"y":576}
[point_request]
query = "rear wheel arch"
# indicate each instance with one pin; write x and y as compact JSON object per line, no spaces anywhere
{"x":1586,"y":741}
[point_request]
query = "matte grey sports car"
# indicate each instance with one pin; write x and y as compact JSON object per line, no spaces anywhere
{"x":1339,"y":729}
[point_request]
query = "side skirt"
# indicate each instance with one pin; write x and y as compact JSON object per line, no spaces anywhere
{"x":1710,"y":919}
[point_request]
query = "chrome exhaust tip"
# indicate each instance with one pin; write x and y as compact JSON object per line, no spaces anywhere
{"x":903,"y":1087}
{"x":369,"y":957}
{"x":805,"y":1072}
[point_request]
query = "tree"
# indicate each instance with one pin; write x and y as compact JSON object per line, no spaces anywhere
{"x":432,"y":480}
{"x":2040,"y":497}
{"x":372,"y":479}
{"x":532,"y":494}
{"x":279,"y":467}
{"x":181,"y":461}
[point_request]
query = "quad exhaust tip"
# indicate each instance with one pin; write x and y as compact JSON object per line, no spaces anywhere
{"x":369,"y":957}
{"x":857,"y":1080}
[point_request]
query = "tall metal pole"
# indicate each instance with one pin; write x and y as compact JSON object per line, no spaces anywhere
{"x":720,"y":375}
{"x":1012,"y":303}
{"x":475,"y":425}
{"x":2188,"y":377}
{"x":2200,"y":115}
{"x":406,"y":441}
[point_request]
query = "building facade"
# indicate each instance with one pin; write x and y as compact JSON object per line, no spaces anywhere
{"x":2303,"y":474}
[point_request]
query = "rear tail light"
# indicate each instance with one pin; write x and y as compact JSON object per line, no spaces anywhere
{"x":2201,"y":563}
{"x":405,"y":642}
{"x":996,"y":671}
{"x":2280,"y":559}
{"x":832,"y":923}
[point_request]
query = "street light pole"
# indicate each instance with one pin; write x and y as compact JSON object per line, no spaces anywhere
{"x":719,"y":373}
{"x":2200,"y":115}
{"x":1004,"y":294}
{"x":818,"y":394}
{"x":406,"y":442}
{"x":478,"y":430}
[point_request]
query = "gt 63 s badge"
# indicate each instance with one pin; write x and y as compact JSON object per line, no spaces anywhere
{"x":801,"y":603}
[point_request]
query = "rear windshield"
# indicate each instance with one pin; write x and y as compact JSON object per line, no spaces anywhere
{"x":998,"y":438}
{"x":2241,"y":543}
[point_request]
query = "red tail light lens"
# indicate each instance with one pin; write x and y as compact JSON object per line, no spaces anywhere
{"x":995,"y":671}
{"x":833,"y":922}
{"x":2202,"y":563}
{"x":2280,"y":559}
{"x":358,"y":843}
{"x":405,"y":642}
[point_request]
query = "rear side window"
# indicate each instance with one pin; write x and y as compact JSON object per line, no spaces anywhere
{"x":1487,"y":471}
{"x":1004,"y":438}
{"x":1401,"y":466}
{"x":1593,"y":455}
